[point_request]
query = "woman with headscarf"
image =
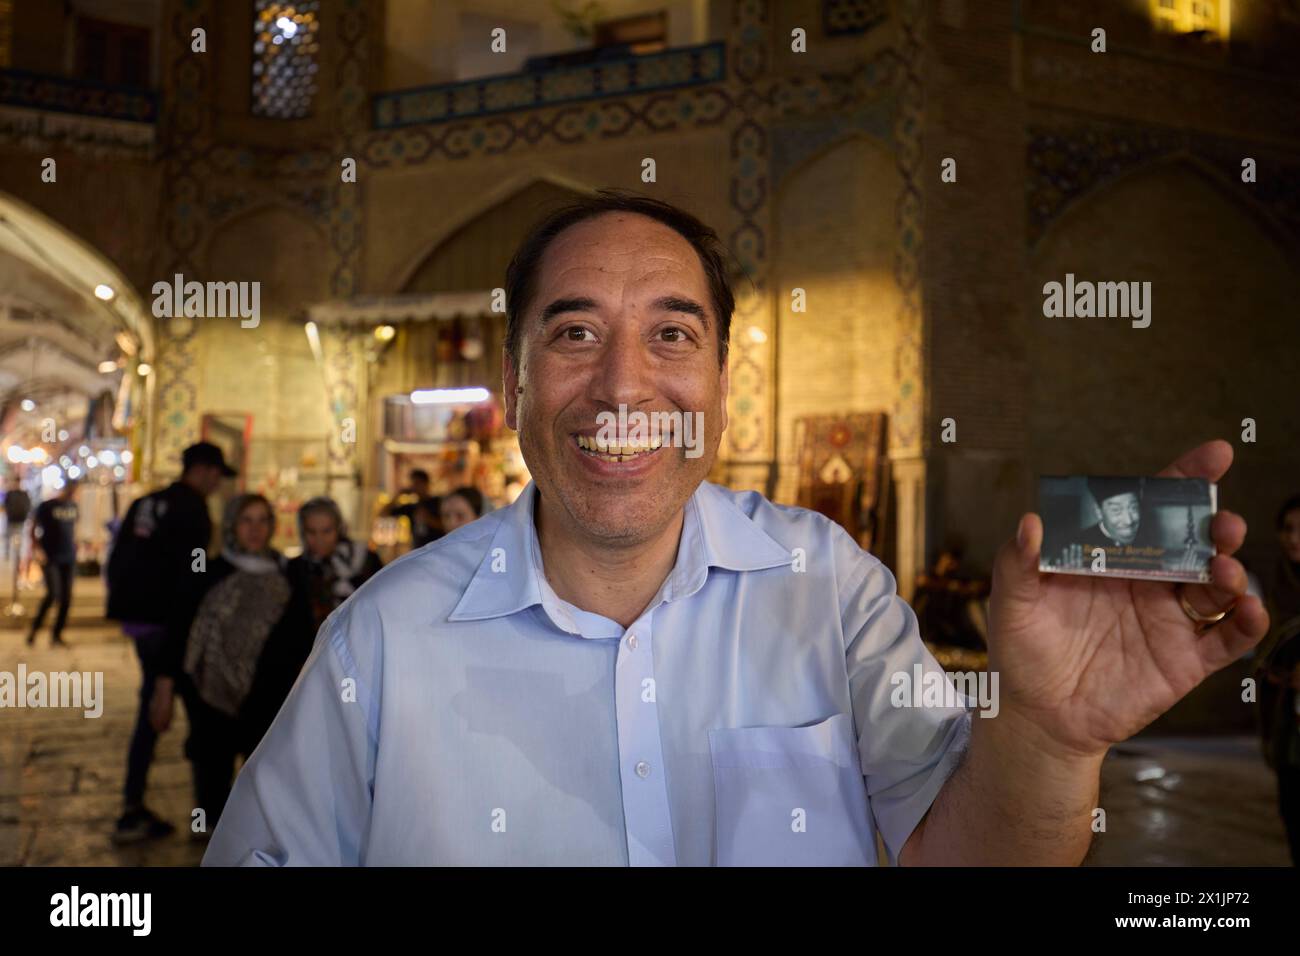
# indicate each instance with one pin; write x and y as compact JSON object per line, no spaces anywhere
{"x":233,"y":652}
{"x":1279,"y":672}
{"x":331,"y":565}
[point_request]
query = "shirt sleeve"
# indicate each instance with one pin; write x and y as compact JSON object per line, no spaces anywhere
{"x":304,"y":797}
{"x":912,"y":726}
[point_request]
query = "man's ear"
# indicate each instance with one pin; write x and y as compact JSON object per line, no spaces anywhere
{"x":510,"y":379}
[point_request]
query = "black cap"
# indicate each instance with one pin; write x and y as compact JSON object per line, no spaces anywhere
{"x":1106,"y":487}
{"x":206,"y":453}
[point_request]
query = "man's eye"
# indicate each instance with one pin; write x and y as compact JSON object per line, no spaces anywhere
{"x":576,"y":333}
{"x":674,"y":334}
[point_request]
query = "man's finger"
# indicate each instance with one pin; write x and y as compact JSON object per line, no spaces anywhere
{"x":1227,"y":585}
{"x":1226,"y":642}
{"x":1210,"y":461}
{"x":1228,"y":530}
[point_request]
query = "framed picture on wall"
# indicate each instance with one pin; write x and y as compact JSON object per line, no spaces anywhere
{"x":231,"y":432}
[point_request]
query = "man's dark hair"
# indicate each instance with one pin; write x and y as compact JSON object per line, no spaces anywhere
{"x":521,"y":274}
{"x":418,"y":474}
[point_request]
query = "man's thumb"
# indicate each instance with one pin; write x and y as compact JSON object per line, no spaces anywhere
{"x":1016,"y":567}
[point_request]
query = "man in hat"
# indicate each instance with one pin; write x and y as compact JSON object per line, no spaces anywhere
{"x":154,"y":592}
{"x":1120,"y":503}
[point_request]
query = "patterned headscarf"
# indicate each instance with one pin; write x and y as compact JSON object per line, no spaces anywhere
{"x":348,"y":557}
{"x":236,"y":616}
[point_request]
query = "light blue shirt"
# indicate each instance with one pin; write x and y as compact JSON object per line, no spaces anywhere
{"x":456,"y":711}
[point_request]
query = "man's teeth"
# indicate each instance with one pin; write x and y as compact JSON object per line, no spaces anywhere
{"x":612,"y":452}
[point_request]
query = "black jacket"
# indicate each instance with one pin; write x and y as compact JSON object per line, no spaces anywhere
{"x":151,"y":579}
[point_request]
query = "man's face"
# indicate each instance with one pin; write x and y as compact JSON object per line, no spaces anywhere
{"x":614,"y":322}
{"x":1119,"y":517}
{"x":207,"y":479}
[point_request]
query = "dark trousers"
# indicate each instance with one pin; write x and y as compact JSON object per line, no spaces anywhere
{"x":14,"y":541}
{"x":58,"y":587}
{"x":1288,"y":798}
{"x":215,"y":740}
{"x":149,"y":648}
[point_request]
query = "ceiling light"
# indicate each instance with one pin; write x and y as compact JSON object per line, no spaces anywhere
{"x":450,"y":396}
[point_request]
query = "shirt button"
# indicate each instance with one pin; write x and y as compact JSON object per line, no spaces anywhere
{"x":632,"y":642}
{"x":642,"y":769}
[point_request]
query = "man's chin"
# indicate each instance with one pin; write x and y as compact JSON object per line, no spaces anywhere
{"x":619,"y":516}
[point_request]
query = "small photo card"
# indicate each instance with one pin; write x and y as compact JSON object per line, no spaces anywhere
{"x":1123,"y":527}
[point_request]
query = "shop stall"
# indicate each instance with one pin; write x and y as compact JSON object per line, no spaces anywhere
{"x":414,"y":382}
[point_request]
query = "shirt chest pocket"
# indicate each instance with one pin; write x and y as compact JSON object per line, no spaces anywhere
{"x":790,"y":796}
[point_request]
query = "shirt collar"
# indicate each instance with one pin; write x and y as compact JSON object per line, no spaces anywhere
{"x":715,"y":533}
{"x":506,"y":579}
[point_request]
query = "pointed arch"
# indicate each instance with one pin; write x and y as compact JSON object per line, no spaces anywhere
{"x":520,"y":198}
{"x":59,"y":262}
{"x":1212,"y":174}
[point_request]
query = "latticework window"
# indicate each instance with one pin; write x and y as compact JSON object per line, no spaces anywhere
{"x":285,"y":45}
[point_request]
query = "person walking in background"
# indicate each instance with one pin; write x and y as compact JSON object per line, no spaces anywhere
{"x":53,"y":538}
{"x":419,"y":507}
{"x":1279,"y":673}
{"x":331,"y":565}
{"x":460,"y":508}
{"x":241,"y":632}
{"x":18,"y":505}
{"x":154,"y":591}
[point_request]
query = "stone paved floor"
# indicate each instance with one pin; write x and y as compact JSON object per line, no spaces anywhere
{"x":1189,"y":801}
{"x":61,"y":774}
{"x":1169,"y":801}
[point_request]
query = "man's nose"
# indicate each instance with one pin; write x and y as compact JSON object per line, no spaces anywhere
{"x":623,"y":376}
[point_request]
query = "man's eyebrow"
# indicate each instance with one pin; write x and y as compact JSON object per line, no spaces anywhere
{"x":676,"y":303}
{"x":580,"y":303}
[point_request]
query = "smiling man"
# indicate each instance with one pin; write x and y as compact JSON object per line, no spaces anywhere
{"x":630,"y":665}
{"x":1119,"y":500}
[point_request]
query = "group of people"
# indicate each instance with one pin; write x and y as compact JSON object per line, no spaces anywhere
{"x":431,"y":516}
{"x":227,"y":635}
